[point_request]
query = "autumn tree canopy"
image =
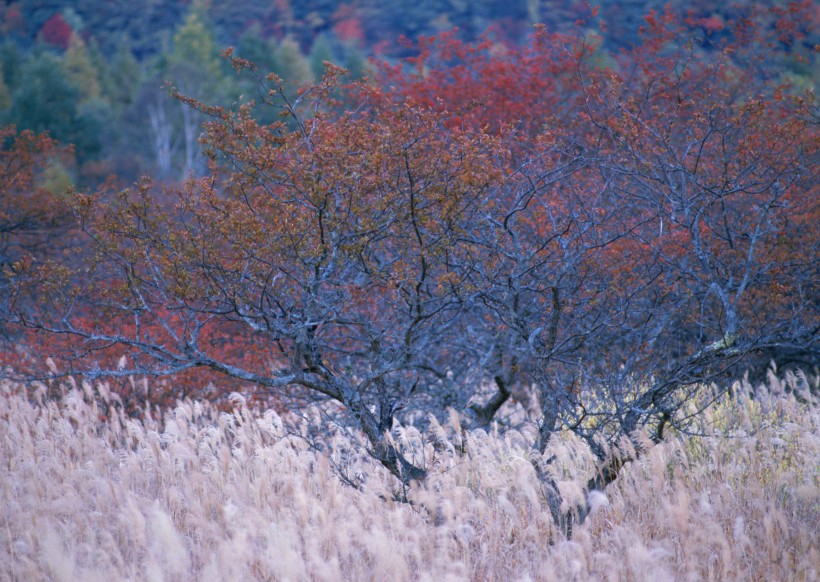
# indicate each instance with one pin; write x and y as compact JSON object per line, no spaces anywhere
{"x":35,"y":219}
{"x":601,"y":231}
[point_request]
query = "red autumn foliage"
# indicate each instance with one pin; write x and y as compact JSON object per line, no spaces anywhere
{"x":347,"y":25}
{"x":604,"y":229}
{"x":665,"y":103}
{"x":31,"y":217}
{"x":56,"y":32}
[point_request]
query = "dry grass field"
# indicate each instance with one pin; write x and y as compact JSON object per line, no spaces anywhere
{"x":197,"y":494}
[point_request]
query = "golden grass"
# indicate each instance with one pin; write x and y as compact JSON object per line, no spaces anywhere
{"x":202,"y":495}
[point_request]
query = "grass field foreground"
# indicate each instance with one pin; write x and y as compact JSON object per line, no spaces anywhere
{"x":89,"y":494}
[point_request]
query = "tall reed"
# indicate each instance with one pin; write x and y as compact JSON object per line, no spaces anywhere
{"x":196,"y":494}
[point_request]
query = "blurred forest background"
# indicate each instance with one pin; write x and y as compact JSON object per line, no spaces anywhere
{"x":92,"y":72}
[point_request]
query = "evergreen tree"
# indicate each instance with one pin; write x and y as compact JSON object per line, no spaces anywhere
{"x":320,"y":52}
{"x":12,"y":62}
{"x":291,"y":64}
{"x":121,"y":78}
{"x":48,"y":101}
{"x":355,"y":62}
{"x":80,"y":71}
{"x":5,"y":93}
{"x":258,"y":50}
{"x":194,"y":45}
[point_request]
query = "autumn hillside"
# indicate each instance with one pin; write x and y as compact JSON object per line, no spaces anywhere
{"x":471,"y":310}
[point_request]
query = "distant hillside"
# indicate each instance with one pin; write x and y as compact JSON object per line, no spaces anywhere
{"x":147,"y":26}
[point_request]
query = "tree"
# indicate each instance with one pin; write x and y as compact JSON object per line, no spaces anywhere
{"x":33,"y":219}
{"x":120,"y":78}
{"x":12,"y":65}
{"x":685,"y":179}
{"x":48,"y":101}
{"x":79,"y":69}
{"x":5,"y":94}
{"x":194,"y":68}
{"x":291,"y":64}
{"x":57,"y":32}
{"x":488,"y":221}
{"x":338,"y":258}
{"x":191,"y":66}
{"x":320,"y":51}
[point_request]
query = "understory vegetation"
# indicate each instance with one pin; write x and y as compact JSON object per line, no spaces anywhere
{"x":198,"y":494}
